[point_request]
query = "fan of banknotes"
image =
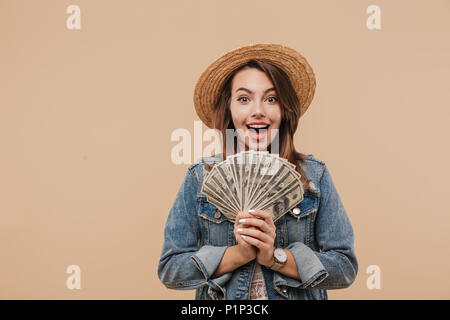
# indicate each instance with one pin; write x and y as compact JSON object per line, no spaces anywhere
{"x":253,"y":180}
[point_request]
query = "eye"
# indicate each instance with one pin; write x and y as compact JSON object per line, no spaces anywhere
{"x":272,"y":99}
{"x":240,"y":99}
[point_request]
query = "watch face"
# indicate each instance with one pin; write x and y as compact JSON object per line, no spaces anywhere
{"x":280,"y":255}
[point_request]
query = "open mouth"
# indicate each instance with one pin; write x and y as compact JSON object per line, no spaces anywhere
{"x":258,"y":130}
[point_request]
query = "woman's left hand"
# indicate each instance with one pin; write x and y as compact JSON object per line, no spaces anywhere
{"x":262,"y":236}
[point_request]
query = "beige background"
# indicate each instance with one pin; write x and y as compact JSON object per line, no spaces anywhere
{"x":86,"y":117}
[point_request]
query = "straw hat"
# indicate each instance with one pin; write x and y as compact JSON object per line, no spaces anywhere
{"x":207,"y":89}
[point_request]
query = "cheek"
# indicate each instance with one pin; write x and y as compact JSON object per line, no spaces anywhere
{"x":238,"y":116}
{"x":276,"y":119}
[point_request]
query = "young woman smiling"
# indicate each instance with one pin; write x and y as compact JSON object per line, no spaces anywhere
{"x":260,"y":92}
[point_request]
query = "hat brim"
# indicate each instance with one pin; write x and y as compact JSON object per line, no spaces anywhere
{"x":211,"y":81}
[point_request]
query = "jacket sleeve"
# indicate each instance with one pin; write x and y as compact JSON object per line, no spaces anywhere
{"x":183,"y":265}
{"x":335,"y":265}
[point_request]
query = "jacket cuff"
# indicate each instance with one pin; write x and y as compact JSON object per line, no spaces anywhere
{"x":207,"y":259}
{"x":310,"y":268}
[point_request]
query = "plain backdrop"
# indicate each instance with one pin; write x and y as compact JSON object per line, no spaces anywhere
{"x":86,"y":117}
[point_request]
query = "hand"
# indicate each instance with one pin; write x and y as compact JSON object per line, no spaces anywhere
{"x":247,"y":250}
{"x":258,"y":230}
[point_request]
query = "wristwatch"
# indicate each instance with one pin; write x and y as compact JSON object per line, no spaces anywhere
{"x":280,"y":258}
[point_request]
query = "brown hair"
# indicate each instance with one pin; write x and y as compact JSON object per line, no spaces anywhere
{"x":290,"y":109}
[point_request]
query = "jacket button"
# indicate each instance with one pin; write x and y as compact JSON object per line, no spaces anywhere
{"x":284,"y":290}
{"x":217,"y":214}
{"x":296,"y":211}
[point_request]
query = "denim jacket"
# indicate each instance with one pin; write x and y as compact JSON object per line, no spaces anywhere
{"x":320,"y":238}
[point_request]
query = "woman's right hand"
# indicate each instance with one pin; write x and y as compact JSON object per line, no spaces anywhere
{"x":246,"y":249}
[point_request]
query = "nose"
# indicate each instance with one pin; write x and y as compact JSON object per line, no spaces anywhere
{"x":258,"y":110}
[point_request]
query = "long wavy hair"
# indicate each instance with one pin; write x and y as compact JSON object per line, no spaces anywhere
{"x":290,"y":109}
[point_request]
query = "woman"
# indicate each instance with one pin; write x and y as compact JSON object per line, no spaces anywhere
{"x":259,"y":91}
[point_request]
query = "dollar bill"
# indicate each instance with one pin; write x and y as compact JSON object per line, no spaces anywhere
{"x":253,"y":180}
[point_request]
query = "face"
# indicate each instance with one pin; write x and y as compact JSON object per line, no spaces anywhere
{"x":255,"y":109}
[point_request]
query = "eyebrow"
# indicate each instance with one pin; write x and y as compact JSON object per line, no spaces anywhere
{"x":251,"y":92}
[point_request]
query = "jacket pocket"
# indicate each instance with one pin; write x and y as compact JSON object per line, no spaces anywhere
{"x":209,"y":211}
{"x":300,"y":220}
{"x":215,"y":226}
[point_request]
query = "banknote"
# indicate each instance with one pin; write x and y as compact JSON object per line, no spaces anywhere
{"x":253,"y":180}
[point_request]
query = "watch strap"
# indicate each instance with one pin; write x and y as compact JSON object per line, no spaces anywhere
{"x":276,"y":266}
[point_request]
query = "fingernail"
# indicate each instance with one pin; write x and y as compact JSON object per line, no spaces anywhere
{"x":243,"y":237}
{"x":240,"y":230}
{"x":242,"y":220}
{"x":251,"y":210}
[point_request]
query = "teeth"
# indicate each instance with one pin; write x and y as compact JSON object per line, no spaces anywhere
{"x":258,"y":126}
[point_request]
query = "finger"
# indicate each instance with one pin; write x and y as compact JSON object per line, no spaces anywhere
{"x":266,"y":216}
{"x":237,"y":234}
{"x":242,"y":226}
{"x":261,"y":224}
{"x":242,"y":216}
{"x":245,"y":243}
{"x":240,"y":240}
{"x":257,"y":234}
{"x":238,"y":224}
{"x":255,"y":242}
